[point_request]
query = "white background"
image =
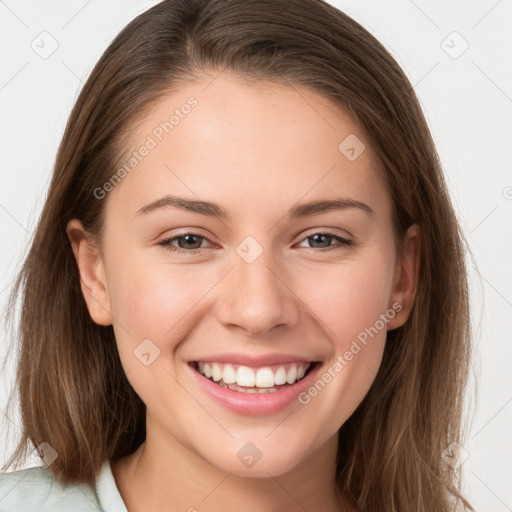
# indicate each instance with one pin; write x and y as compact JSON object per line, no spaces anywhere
{"x":468,"y":104}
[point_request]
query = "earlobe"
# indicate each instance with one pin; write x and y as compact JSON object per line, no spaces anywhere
{"x":406,"y":277}
{"x":92,"y":273}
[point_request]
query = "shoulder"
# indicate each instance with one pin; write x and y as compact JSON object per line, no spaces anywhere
{"x":36,"y":489}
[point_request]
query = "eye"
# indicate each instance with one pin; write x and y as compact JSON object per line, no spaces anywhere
{"x":186,"y":240}
{"x":327,"y":237}
{"x":184,"y":247}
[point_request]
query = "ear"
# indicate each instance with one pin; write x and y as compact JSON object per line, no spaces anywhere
{"x":405,"y":279}
{"x":92,"y":273}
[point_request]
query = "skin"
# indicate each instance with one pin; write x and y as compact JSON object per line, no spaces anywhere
{"x":257,"y":149}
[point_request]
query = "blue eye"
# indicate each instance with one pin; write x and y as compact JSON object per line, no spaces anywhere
{"x":188,"y":238}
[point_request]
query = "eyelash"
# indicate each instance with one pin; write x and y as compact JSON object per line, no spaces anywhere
{"x":167,"y":242}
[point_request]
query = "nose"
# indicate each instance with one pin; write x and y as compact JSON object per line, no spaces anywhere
{"x":258,"y":297}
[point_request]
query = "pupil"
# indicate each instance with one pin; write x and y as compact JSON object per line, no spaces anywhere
{"x":321,"y":236}
{"x":186,"y":239}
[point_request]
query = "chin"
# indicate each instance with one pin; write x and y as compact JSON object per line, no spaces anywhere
{"x":258,"y":461}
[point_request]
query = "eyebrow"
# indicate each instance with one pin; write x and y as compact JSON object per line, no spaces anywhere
{"x":215,"y":210}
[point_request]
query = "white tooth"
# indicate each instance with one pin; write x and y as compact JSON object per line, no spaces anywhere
{"x":216,"y":372}
{"x":229,"y":374}
{"x":264,"y":378}
{"x":302,"y":371}
{"x":200,"y":367}
{"x":207,"y":370}
{"x":245,"y":376}
{"x":291,"y":376}
{"x":280,"y":377}
{"x":252,"y":390}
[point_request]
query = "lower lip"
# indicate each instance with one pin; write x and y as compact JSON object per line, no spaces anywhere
{"x":255,"y":404}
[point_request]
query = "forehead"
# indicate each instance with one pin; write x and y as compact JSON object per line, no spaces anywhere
{"x":248,"y":145}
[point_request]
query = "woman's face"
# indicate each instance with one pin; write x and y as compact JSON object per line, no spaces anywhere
{"x":261,"y":293}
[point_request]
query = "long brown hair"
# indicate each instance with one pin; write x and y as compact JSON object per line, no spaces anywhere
{"x":73,"y":391}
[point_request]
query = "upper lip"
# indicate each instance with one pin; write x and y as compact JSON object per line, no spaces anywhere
{"x":253,"y":360}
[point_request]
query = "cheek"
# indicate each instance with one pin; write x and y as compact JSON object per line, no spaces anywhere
{"x":151,"y":299}
{"x":156,"y":302}
{"x":348,"y":297}
{"x":351,"y":306}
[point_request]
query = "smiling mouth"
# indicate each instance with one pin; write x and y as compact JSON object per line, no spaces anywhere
{"x":267,"y":379}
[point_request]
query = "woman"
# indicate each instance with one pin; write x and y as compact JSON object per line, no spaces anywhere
{"x":254,"y":368}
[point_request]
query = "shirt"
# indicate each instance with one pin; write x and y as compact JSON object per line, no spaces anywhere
{"x":37,"y":489}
